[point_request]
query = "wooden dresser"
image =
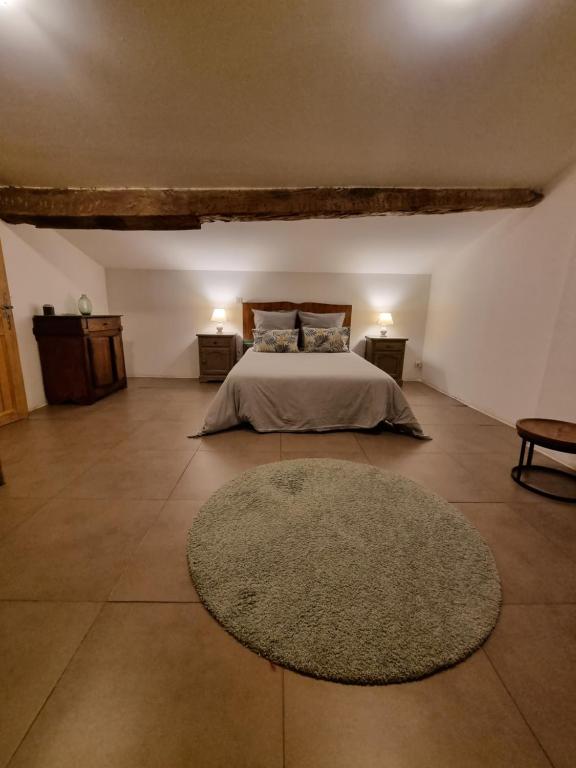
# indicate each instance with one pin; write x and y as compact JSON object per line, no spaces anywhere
{"x":217,"y":352}
{"x":82,"y":358}
{"x":387,"y":354}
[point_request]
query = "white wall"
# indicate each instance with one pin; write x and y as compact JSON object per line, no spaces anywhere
{"x":501,"y":330}
{"x":164,"y":309}
{"x":44,"y":268}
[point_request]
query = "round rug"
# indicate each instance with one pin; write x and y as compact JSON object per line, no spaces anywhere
{"x":343,"y":571}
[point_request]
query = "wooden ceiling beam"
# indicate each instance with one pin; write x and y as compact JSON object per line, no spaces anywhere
{"x":132,"y":209}
{"x":122,"y":223}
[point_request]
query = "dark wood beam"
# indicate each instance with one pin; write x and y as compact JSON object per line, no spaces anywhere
{"x":123,"y":223}
{"x":187,"y":208}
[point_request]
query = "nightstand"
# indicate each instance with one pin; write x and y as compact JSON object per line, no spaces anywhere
{"x":386,"y":353}
{"x":217,"y":353}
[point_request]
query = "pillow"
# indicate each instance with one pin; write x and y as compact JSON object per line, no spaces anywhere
{"x":326,"y":339}
{"x":274,"y":321}
{"x":321,"y":319}
{"x":275,"y":340}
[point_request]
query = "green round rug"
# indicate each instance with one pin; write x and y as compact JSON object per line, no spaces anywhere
{"x":343,"y":571}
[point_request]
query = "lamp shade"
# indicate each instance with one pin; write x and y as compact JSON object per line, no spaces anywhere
{"x":385,"y":318}
{"x":218,"y":316}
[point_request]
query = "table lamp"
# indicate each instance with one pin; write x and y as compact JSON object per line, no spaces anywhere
{"x":384,"y":321}
{"x":219,"y":316}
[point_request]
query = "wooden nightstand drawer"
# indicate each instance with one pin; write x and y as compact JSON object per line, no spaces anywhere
{"x":214,"y":341}
{"x":392,"y":344}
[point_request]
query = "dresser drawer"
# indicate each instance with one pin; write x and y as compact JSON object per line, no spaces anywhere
{"x":94,"y":324}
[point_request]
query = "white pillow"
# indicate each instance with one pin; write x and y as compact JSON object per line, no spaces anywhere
{"x":321,"y":319}
{"x":274,"y":321}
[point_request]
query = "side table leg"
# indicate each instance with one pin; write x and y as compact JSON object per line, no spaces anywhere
{"x":521,"y":459}
{"x":530,"y":455}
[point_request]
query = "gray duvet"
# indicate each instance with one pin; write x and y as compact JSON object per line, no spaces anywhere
{"x":302,"y":391}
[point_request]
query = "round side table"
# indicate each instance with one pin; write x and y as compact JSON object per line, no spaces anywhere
{"x":548,"y":433}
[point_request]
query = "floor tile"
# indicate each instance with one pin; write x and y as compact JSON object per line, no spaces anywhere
{"x":158,"y":569}
{"x":16,"y":511}
{"x":48,"y":438}
{"x":72,"y":549}
{"x":534,"y":651}
{"x":162,"y":435}
{"x":37,"y":438}
{"x":336,"y":445}
{"x":385,"y":443}
{"x":532,"y":568}
{"x":66,"y":412}
{"x":344,"y":442}
{"x":438,"y":472}
{"x":554,"y":519}
{"x":418,"y":393}
{"x":44,"y":476}
{"x":135,"y":475}
{"x":435,"y":414}
{"x":357,"y":456}
{"x":492,"y":472}
{"x":209,"y":470}
{"x":173,"y":410}
{"x":472,"y":438}
{"x":461,"y":717}
{"x":37,"y":640}
{"x":157,"y":686}
{"x":127,"y":410}
{"x":242,"y":439}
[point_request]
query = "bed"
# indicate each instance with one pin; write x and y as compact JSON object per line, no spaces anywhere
{"x":299,"y":392}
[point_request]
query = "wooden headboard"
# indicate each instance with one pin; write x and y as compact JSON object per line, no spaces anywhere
{"x":274,"y":306}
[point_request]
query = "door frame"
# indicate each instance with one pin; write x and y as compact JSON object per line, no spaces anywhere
{"x":14,"y":363}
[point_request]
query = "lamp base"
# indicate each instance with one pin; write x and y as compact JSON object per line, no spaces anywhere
{"x":219,"y":328}
{"x":383,"y":332}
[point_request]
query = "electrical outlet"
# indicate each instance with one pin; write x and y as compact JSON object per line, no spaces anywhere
{"x":418,"y":364}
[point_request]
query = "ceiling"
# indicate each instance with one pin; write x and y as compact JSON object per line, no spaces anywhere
{"x":298,"y":92}
{"x":389,"y":245}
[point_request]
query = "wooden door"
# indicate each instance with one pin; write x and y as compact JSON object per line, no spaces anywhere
{"x":102,"y":361}
{"x":13,"y":404}
{"x":118,"y":353}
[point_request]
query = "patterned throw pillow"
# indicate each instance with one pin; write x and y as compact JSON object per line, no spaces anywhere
{"x":326,"y":339}
{"x":275,"y":341}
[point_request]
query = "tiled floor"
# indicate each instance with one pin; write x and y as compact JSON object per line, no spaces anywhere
{"x":107,"y":659}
